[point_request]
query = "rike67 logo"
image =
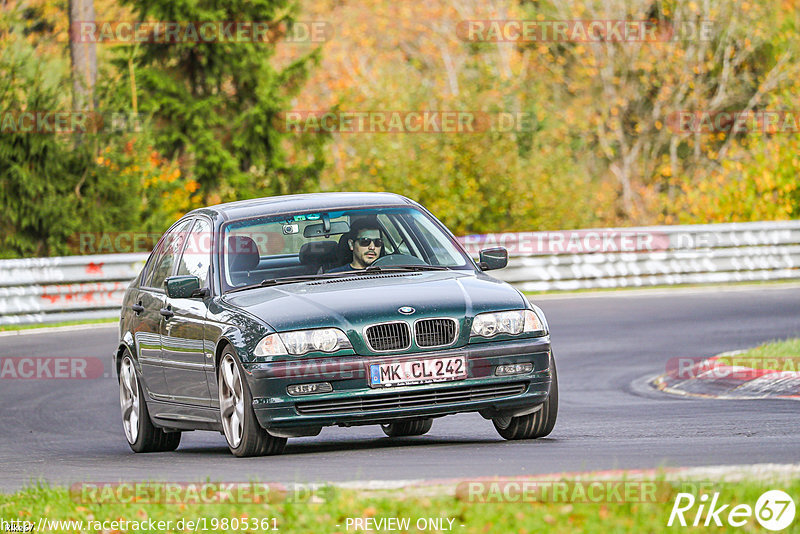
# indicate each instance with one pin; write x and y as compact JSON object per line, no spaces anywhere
{"x":774,"y":510}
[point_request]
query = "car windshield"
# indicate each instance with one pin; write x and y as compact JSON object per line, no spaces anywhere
{"x":268,"y":249}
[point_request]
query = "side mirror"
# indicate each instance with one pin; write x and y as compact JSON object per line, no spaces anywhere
{"x":183,"y":287}
{"x":493,"y":258}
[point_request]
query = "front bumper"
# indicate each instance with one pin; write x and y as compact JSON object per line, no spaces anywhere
{"x":354,"y":402}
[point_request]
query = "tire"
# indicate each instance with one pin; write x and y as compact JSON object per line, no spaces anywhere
{"x":536,"y":425}
{"x":244,"y":435}
{"x":410,"y":427}
{"x":141,"y":434}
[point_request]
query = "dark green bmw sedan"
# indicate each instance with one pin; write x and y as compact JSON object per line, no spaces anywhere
{"x":268,"y":319}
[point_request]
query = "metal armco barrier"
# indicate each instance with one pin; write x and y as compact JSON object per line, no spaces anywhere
{"x":88,"y":287}
{"x":647,"y":256}
{"x":46,"y":290}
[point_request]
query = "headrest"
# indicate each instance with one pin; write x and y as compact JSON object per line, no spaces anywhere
{"x":318,"y":252}
{"x":343,"y":253}
{"x":243,"y":253}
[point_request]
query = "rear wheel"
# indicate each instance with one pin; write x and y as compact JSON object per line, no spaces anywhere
{"x":536,"y":425}
{"x":411,"y":427}
{"x":239,"y":424}
{"x":140,"y":432}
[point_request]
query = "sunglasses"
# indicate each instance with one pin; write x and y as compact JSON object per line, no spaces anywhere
{"x":365,"y":241}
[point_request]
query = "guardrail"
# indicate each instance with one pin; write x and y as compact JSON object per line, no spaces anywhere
{"x":46,"y":290}
{"x":647,"y":256}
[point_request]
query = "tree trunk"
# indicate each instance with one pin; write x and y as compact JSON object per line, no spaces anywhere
{"x":83,"y":56}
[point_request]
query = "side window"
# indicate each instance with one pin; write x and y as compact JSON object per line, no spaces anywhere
{"x":196,"y":258}
{"x":150,"y":266}
{"x":171,"y":247}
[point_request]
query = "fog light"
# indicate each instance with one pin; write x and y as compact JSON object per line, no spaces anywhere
{"x":309,"y":389}
{"x":513,"y":369}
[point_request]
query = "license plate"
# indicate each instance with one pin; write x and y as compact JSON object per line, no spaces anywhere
{"x":407,"y":372}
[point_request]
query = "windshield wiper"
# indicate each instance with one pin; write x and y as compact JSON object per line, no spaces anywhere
{"x":401,"y":268}
{"x":287,"y":280}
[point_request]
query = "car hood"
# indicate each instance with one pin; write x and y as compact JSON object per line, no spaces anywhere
{"x":355,"y":302}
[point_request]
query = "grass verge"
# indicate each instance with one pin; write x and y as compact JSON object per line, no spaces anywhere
{"x":13,"y":327}
{"x":331,"y":509}
{"x":776,"y":355}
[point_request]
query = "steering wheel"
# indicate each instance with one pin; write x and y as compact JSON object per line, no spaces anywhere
{"x":397,"y":259}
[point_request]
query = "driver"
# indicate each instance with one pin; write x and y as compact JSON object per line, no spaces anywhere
{"x":365,"y":242}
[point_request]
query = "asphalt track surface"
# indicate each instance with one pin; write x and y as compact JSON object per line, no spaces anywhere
{"x":67,"y":431}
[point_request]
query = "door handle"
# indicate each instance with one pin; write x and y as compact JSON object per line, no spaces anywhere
{"x":138,"y":308}
{"x":166,"y":312}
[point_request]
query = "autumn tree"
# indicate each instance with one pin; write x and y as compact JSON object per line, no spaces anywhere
{"x":52,"y":188}
{"x":408,"y":56}
{"x":215,"y":103}
{"x":624,"y":91}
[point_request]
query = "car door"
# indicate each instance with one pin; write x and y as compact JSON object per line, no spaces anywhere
{"x":182,"y":348}
{"x":148,"y":343}
{"x":152,"y":299}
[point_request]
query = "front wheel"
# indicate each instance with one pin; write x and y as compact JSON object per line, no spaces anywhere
{"x":536,"y":425}
{"x":412,"y":427}
{"x":239,"y":424}
{"x":140,"y":432}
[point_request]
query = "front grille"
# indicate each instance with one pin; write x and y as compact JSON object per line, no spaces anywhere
{"x":410,"y":399}
{"x":388,"y":336}
{"x":435,"y":332}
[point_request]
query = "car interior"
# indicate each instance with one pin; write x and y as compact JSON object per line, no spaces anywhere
{"x":317,"y":243}
{"x":247,"y":265}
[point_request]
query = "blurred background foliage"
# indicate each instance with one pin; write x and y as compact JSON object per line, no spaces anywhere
{"x":599,"y":151}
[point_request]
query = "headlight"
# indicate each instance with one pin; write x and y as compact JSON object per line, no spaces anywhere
{"x":509,"y":322}
{"x":539,"y":321}
{"x":302,"y":341}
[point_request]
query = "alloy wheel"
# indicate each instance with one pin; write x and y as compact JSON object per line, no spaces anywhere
{"x":129,"y":399}
{"x":231,"y":400}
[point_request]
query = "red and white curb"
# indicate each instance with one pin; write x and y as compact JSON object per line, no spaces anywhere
{"x":711,"y":378}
